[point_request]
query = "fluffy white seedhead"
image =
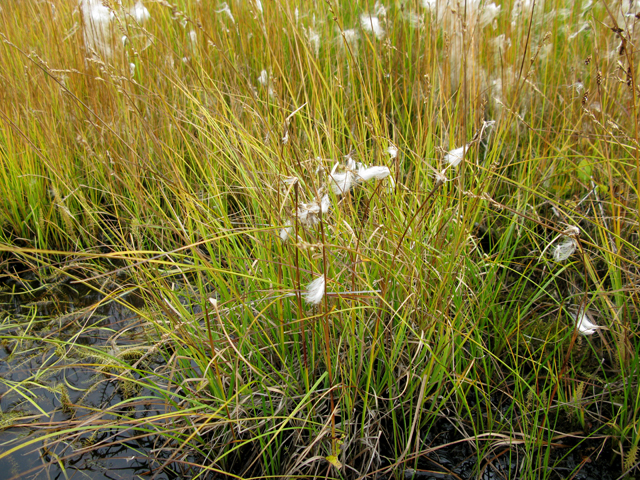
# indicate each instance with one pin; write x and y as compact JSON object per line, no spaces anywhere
{"x":313,"y":37}
{"x":393,"y":151}
{"x":309,"y":213}
{"x":380,"y":9}
{"x":440,"y":178}
{"x":325,"y":203}
{"x":454,"y":157}
{"x":564,"y":250}
{"x":430,"y":4}
{"x":371,"y":23}
{"x":224,"y":8}
{"x":584,"y":324}
{"x":140,"y":13}
{"x":355,"y":173}
{"x":193,"y":36}
{"x":488,"y":13}
{"x":315,"y":291}
{"x":97,"y":26}
{"x":572,"y":231}
{"x":263,"y":79}
{"x":351,"y":36}
{"x":370,"y":173}
{"x":286,"y":231}
{"x":341,"y":183}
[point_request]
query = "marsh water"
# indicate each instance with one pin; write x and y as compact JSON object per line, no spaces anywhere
{"x":46,"y":383}
{"x":46,"y":386}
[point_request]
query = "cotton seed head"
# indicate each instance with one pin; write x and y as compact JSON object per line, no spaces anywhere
{"x":564,"y":250}
{"x":371,"y":23}
{"x":263,"y":79}
{"x":440,"y":178}
{"x":454,"y":157}
{"x":284,"y":233}
{"x":140,"y":12}
{"x":341,"y":183}
{"x":315,"y":291}
{"x":224,"y":8}
{"x":583,"y":323}
{"x":309,"y":213}
{"x":374,"y":172}
{"x":572,"y":231}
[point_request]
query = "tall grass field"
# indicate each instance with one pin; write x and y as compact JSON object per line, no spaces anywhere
{"x":358,"y":239}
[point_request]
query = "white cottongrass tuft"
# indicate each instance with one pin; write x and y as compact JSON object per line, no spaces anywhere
{"x":572,"y":231}
{"x":564,"y":250}
{"x":488,"y":13}
{"x":380,"y":9}
{"x":429,"y":4}
{"x":140,"y":12}
{"x":309,"y":213}
{"x":224,"y":8}
{"x":354,"y":172}
{"x":371,"y":23}
{"x":583,"y":322}
{"x":263,"y":79}
{"x":370,"y":173}
{"x":193,"y":36}
{"x":313,"y":37}
{"x":440,"y":177}
{"x":97,"y":26}
{"x":351,"y":37}
{"x":315,"y":291}
{"x":286,"y":231}
{"x":98,"y":29}
{"x":341,"y":183}
{"x":454,"y":157}
{"x":393,"y":151}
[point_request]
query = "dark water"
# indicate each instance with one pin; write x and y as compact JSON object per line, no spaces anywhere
{"x":36,"y":374}
{"x":33,"y":373}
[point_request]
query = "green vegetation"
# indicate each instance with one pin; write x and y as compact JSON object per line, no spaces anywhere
{"x":186,"y":166}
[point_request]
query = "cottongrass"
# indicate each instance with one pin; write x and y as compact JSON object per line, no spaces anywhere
{"x":224,"y":8}
{"x":139,"y":12}
{"x":342,"y":182}
{"x":97,"y":26}
{"x":583,"y":323}
{"x":351,"y":37}
{"x":315,"y":291}
{"x":263,"y":78}
{"x":309,"y":213}
{"x":286,"y":231}
{"x":371,"y":23}
{"x":313,"y":37}
{"x":378,"y":173}
{"x":454,"y":157}
{"x":98,"y":29}
{"x":564,"y":250}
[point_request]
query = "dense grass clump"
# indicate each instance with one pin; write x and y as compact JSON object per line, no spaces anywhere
{"x":301,"y":313}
